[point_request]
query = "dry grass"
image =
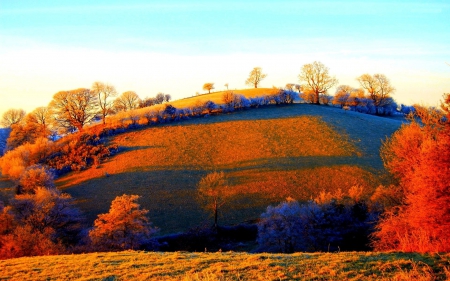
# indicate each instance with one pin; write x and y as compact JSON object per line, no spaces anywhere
{"x":228,"y":266}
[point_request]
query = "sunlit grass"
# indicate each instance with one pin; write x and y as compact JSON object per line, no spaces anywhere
{"x":228,"y":266}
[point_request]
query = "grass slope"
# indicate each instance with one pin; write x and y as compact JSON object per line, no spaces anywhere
{"x":228,"y":266}
{"x":268,"y":153}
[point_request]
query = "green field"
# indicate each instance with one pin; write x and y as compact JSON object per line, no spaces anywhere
{"x":229,"y":266}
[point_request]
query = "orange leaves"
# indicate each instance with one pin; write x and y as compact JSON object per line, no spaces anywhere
{"x":419,"y":156}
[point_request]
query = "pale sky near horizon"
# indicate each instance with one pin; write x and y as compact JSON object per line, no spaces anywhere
{"x":175,"y":47}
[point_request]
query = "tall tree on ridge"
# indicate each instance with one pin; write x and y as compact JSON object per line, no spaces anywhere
{"x":317,"y":79}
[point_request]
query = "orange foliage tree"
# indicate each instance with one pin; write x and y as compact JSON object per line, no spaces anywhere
{"x":418,"y":156}
{"x":125,"y":226}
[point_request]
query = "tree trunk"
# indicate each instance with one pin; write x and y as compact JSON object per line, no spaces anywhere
{"x":215,"y":214}
{"x":317,"y":99}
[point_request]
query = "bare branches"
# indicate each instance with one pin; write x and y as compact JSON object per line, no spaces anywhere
{"x":255,"y":77}
{"x":317,"y":79}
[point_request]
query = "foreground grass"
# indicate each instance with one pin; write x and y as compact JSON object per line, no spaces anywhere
{"x":229,"y":266}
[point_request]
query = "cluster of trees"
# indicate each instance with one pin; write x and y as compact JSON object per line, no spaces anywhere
{"x":41,"y":220}
{"x":70,"y":111}
{"x":317,"y":81}
{"x":72,"y":153}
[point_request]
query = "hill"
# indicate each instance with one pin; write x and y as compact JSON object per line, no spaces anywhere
{"x":268,"y":154}
{"x":228,"y":266}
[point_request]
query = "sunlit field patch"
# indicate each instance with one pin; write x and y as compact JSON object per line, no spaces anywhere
{"x":228,"y":266}
{"x":222,"y":145}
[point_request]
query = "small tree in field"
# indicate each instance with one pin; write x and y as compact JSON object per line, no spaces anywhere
{"x":125,"y":226}
{"x":208,"y":87}
{"x":255,"y":77}
{"x":214,"y":192}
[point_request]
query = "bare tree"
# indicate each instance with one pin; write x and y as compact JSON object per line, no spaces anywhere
{"x":159,"y":98}
{"x":127,"y":101}
{"x":317,"y":79}
{"x":226,"y":85}
{"x":167,"y":97}
{"x":379,"y":88}
{"x":74,"y":108}
{"x":214,"y":191}
{"x":12,"y":116}
{"x":289,"y":86}
{"x":104,"y":94}
{"x":255,"y":77}
{"x":208,"y":87}
{"x":228,"y":98}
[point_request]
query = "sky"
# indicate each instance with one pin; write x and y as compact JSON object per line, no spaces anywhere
{"x":175,"y":47}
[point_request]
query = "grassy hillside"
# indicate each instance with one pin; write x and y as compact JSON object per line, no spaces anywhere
{"x":268,"y":153}
{"x":228,"y":266}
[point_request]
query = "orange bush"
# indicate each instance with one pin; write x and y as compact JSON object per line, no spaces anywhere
{"x":418,"y":155}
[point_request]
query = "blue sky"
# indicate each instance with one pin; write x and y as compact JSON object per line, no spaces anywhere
{"x":176,"y":46}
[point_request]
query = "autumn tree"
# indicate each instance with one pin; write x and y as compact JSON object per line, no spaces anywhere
{"x":74,"y":108}
{"x":214,"y":192}
{"x":12,"y":116}
{"x":15,"y":162}
{"x":379,"y":88}
{"x":255,"y":77}
{"x":127,"y":101}
{"x":208,"y":87}
{"x":36,"y":124}
{"x":104,"y":93}
{"x":418,"y":156}
{"x":33,"y":177}
{"x":125,"y":226}
{"x":46,"y":222}
{"x":317,"y":79}
{"x":342,"y":95}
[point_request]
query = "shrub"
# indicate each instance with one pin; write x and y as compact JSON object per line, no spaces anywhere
{"x":33,"y":177}
{"x":291,"y":227}
{"x":125,"y":226}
